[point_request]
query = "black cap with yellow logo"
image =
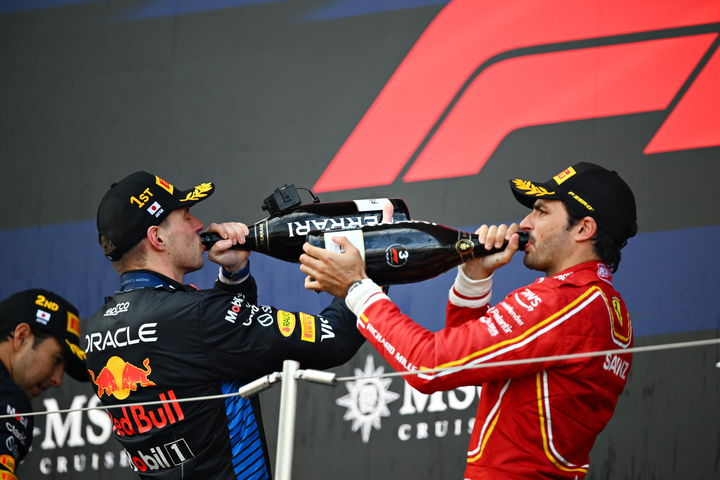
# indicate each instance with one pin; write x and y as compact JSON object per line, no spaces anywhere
{"x":137,"y":202}
{"x":588,"y":190}
{"x":48,"y":311}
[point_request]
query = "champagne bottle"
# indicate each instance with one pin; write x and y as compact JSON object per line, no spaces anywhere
{"x":282,"y":236}
{"x":409,"y":251}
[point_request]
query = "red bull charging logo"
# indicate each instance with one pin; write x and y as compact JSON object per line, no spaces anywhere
{"x":119,"y":378}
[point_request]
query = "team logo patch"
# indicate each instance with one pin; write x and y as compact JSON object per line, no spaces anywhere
{"x":618,"y":310}
{"x":286,"y":323}
{"x":118,"y":378}
{"x":396,"y":255}
{"x":621,"y":328}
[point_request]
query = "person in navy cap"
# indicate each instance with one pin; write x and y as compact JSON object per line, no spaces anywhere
{"x":39,"y":341}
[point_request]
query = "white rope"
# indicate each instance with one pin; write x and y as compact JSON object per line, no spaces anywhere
{"x":569,"y":356}
{"x":122,"y":405}
{"x":647,"y":348}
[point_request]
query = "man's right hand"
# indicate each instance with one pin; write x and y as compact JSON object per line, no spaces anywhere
{"x":332,"y":272}
{"x":493,"y":236}
{"x":232,"y":233}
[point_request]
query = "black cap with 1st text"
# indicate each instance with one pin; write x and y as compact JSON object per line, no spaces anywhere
{"x":137,"y":202}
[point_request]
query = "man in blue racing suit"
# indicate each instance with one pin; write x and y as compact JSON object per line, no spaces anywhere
{"x":159,"y":339}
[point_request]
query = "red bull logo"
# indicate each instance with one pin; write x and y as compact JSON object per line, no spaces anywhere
{"x":140,"y":419}
{"x":119,"y":378}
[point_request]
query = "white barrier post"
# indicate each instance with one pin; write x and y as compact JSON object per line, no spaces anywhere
{"x":286,"y":421}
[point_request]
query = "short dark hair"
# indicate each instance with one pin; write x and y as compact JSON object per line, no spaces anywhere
{"x":107,"y":245}
{"x":7,"y":331}
{"x":607,"y":249}
{"x":135,"y":255}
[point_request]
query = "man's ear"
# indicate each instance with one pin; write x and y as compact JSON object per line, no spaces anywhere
{"x":154,"y":235}
{"x":21,"y":335}
{"x":586,"y":229}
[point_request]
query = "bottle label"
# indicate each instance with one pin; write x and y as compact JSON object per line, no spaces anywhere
{"x":464,"y":246}
{"x":371,"y":204}
{"x":261,"y":235}
{"x":354,"y":236}
{"x":299,"y":229}
{"x":396,"y":255}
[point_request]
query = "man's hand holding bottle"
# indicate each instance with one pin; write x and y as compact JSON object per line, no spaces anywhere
{"x":493,"y":236}
{"x":333,"y":272}
{"x":491,"y":247}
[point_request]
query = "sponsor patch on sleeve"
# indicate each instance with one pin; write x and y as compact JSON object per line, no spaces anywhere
{"x":286,"y":322}
{"x":307,"y":324}
{"x":8,"y":462}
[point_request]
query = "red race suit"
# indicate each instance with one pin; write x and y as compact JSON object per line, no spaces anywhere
{"x":534,"y":420}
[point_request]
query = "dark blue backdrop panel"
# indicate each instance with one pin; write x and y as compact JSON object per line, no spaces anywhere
{"x":167,"y":8}
{"x":669,"y":279}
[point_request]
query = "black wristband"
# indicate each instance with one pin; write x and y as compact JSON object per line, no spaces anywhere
{"x":237,"y":274}
{"x":353,"y":285}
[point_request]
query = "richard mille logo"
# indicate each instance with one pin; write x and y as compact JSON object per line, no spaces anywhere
{"x":367,"y":399}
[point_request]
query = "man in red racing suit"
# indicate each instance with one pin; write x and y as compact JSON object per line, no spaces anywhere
{"x":535,"y":419}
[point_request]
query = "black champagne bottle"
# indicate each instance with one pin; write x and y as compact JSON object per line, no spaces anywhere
{"x":282,"y":236}
{"x":410,"y":251}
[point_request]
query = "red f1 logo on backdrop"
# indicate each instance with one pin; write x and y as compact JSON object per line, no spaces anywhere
{"x":483,"y":69}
